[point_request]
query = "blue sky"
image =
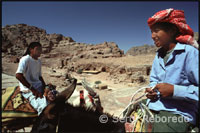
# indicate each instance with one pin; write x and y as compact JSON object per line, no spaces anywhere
{"x":124,"y":23}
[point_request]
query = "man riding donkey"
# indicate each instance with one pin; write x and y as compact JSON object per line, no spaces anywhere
{"x":175,"y":73}
{"x":31,"y":83}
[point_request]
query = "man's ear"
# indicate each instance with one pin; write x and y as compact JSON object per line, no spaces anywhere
{"x":30,"y":49}
{"x":174,"y":31}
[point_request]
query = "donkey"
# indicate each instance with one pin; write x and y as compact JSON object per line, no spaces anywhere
{"x":60,"y":116}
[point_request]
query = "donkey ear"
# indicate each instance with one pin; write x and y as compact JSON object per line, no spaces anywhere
{"x":65,"y":94}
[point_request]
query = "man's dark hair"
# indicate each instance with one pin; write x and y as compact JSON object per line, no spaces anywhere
{"x":32,"y":45}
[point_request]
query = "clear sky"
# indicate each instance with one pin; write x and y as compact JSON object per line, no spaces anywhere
{"x":124,"y":23}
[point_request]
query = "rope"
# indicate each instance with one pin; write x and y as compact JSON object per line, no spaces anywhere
{"x":144,"y":113}
{"x":133,"y":101}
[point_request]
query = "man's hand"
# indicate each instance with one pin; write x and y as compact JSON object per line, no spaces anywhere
{"x":43,"y":83}
{"x":36,"y":93}
{"x":165,"y":89}
{"x":151,"y":94}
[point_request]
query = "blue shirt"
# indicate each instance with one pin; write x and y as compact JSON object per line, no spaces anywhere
{"x":182,"y":71}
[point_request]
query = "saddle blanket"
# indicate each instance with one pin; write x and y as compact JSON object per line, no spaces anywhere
{"x":15,"y":105}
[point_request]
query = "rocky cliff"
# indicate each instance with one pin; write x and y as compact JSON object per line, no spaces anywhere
{"x":15,"y":39}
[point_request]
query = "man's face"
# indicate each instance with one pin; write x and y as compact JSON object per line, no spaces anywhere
{"x":36,"y":52}
{"x":160,"y":37}
{"x":49,"y":95}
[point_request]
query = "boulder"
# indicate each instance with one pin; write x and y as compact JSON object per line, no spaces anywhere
{"x":101,"y":86}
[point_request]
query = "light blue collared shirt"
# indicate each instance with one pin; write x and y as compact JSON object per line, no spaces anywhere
{"x":182,"y":71}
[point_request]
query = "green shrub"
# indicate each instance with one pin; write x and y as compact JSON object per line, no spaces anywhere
{"x":97,"y":82}
{"x":79,"y":71}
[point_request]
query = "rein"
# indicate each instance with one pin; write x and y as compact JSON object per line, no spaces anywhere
{"x":140,"y":114}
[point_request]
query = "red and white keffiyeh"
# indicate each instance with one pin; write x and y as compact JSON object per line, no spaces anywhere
{"x":175,"y":17}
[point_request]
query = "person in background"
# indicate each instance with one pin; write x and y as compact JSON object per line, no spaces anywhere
{"x":30,"y":78}
{"x":174,"y":74}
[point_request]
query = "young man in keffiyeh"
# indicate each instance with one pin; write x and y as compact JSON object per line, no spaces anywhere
{"x":175,"y":73}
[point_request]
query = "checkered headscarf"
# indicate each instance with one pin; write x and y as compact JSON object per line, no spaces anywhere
{"x":175,"y":17}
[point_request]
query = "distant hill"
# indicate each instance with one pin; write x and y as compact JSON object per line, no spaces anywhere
{"x":148,"y":49}
{"x":196,"y":35}
{"x":145,"y":49}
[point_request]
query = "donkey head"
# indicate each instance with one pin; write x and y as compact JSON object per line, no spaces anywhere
{"x":48,"y":119}
{"x":67,"y":118}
